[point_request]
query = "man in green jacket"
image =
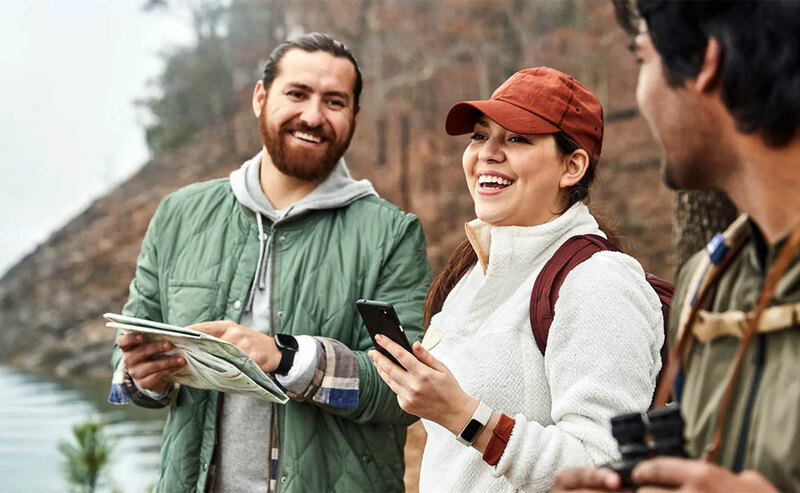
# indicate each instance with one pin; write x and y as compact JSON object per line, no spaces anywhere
{"x":719,"y":84}
{"x":272,"y":259}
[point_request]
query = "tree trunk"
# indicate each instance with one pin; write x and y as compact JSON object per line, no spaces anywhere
{"x":698,"y":216}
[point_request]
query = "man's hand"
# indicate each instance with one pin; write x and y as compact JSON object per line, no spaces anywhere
{"x":664,"y":474}
{"x":260,"y":347}
{"x":147,"y":363}
{"x":588,"y":479}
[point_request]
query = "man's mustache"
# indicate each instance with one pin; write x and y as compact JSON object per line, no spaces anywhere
{"x":299,"y":126}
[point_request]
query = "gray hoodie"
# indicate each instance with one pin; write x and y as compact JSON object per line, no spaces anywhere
{"x":337,"y":190}
{"x":245,"y":422}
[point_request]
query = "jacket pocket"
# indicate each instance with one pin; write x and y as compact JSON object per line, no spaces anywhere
{"x":190,"y":302}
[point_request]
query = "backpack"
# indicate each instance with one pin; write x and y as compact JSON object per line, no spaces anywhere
{"x":574,"y":251}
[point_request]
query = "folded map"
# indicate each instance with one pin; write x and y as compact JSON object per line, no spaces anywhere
{"x":211,"y":363}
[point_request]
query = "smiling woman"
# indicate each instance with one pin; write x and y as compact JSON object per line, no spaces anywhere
{"x":479,"y":380}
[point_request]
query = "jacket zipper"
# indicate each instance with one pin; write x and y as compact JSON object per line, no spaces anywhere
{"x":277,"y":443}
{"x":744,"y":434}
{"x":211,"y":476}
{"x":274,"y":440}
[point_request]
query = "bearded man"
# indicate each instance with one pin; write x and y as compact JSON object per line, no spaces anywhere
{"x":272,"y":259}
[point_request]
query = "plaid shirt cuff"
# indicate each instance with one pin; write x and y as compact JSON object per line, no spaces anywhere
{"x":336,"y":376}
{"x":124,"y":390}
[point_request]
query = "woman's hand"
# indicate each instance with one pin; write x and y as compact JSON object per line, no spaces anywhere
{"x":427,"y":389}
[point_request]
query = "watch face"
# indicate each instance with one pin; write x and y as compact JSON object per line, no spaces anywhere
{"x":285,"y":341}
{"x":471,"y":430}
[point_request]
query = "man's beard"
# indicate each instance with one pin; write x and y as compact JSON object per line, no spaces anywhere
{"x":301,"y":163}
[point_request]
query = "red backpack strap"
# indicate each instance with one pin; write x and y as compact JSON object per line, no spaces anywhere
{"x":545,"y":290}
{"x":665,"y":291}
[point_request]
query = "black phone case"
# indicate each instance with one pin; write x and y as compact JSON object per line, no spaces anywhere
{"x":380,"y":318}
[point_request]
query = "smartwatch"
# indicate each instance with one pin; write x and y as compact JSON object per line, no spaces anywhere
{"x":288,"y":347}
{"x":475,"y":425}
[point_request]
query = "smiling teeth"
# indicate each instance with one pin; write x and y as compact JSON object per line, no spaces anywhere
{"x":308,"y":137}
{"x":493,"y":179}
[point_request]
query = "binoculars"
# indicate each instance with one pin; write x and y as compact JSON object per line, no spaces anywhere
{"x":640,"y":437}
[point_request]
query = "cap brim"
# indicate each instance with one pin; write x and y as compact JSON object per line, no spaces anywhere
{"x":461,"y":118}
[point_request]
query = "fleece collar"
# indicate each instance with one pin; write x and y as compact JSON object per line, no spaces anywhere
{"x":509,"y":246}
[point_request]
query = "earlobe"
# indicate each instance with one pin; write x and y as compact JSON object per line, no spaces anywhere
{"x":706,"y":80}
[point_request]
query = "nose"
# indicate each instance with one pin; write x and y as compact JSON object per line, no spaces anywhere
{"x":311,"y":113}
{"x":491,"y":151}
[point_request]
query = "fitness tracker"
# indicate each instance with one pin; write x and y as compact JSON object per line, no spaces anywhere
{"x":288,"y":347}
{"x":475,"y":425}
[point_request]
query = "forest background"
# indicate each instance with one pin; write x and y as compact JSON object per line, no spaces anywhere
{"x":418,"y":57}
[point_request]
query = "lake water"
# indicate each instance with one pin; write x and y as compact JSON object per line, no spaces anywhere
{"x":36,"y":412}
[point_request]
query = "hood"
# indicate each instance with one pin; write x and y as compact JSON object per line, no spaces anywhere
{"x":337,"y":190}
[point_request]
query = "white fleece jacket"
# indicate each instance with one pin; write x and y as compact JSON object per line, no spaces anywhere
{"x":602,"y":358}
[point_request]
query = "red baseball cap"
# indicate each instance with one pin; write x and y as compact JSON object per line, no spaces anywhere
{"x":537,"y":100}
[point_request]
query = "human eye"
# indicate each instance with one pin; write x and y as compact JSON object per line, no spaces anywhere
{"x":295,"y":94}
{"x":477,"y":136}
{"x":336,"y":103}
{"x":518,"y":139}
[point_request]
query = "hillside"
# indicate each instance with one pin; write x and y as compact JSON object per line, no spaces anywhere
{"x":51,"y":301}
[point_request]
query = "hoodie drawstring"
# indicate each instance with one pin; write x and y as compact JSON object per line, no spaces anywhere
{"x":258,"y":279}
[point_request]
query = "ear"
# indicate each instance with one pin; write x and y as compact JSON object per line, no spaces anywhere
{"x":708,"y":77}
{"x":259,"y":96}
{"x":575,"y":167}
{"x":356,"y":110}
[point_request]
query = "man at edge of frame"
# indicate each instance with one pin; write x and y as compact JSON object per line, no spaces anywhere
{"x":719,"y":85}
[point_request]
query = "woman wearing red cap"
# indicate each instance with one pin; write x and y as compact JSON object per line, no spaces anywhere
{"x":500,"y":414}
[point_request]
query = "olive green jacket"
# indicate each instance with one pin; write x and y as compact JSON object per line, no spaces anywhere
{"x":762,"y":431}
{"x":197,"y":262}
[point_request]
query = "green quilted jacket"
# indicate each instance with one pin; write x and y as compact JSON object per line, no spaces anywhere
{"x":196,"y":264}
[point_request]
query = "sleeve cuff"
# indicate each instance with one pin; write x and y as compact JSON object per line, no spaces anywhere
{"x":334,"y":378}
{"x":302,"y":371}
{"x":156,"y":396}
{"x":497,"y":444}
{"x":124,"y":389}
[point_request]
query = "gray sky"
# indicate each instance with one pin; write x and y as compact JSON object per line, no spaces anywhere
{"x":69,"y":72}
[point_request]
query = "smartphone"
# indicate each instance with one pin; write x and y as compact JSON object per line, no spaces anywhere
{"x":380,"y":318}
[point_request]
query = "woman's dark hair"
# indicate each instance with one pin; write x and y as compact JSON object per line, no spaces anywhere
{"x":311,"y":43}
{"x":464,"y":256}
{"x":760,"y":67}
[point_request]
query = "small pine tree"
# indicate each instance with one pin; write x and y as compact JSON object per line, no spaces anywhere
{"x":87,"y":455}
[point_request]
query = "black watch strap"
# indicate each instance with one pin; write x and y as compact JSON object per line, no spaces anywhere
{"x":288,"y":347}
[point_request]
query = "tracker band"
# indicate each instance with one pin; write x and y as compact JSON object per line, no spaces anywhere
{"x":475,"y":425}
{"x":288,"y":347}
